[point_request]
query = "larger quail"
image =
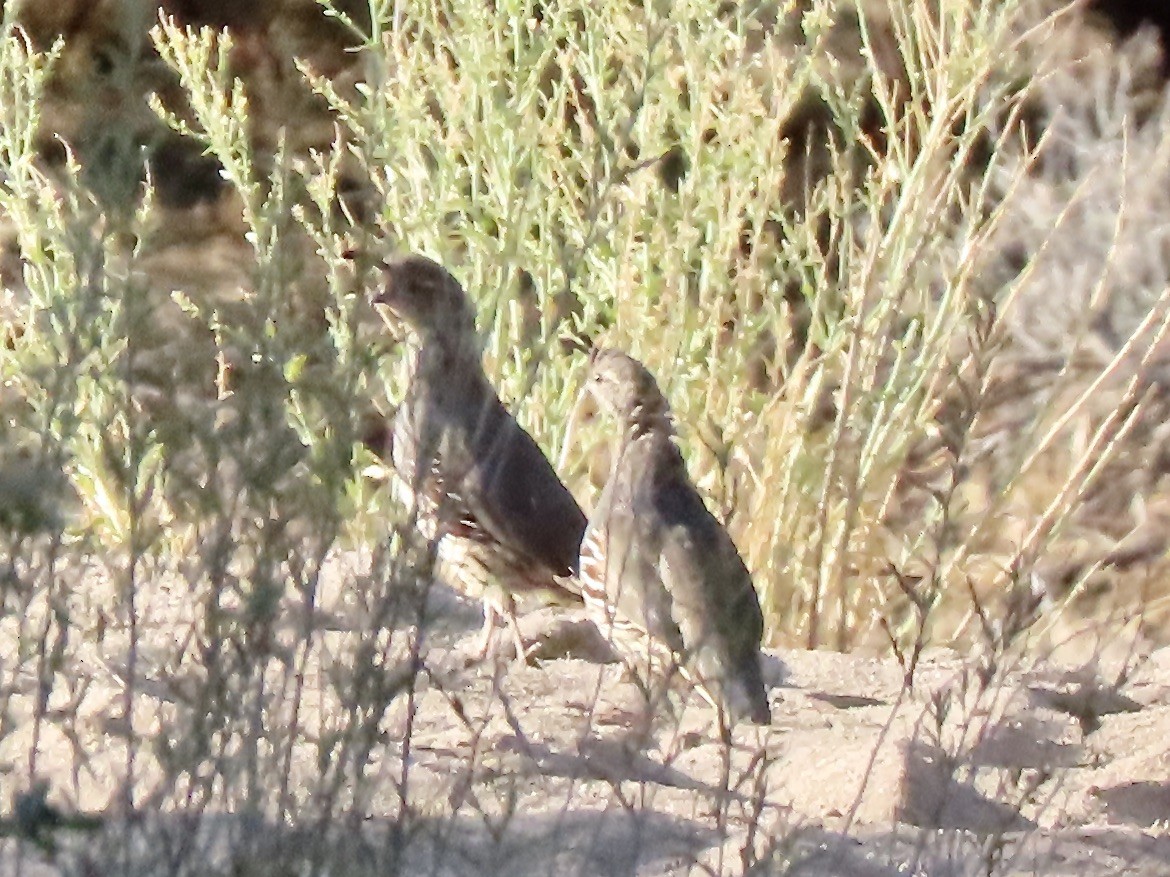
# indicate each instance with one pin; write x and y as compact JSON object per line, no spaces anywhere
{"x":480,"y":487}
{"x":660,"y":575}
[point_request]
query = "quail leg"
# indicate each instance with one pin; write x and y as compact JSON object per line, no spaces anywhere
{"x":487,"y":634}
{"x":506,"y":613}
{"x":499,"y":610}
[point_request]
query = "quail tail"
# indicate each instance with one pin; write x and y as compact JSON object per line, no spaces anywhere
{"x":744,"y":694}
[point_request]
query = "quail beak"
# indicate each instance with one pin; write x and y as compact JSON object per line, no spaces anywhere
{"x":383,"y":299}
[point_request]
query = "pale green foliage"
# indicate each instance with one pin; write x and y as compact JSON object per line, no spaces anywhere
{"x":619,"y":175}
{"x":810,"y":298}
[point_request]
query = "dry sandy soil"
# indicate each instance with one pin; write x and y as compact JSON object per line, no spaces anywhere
{"x":1041,"y":768}
{"x":538,"y":770}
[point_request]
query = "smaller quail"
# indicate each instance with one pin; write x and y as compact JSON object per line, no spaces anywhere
{"x":660,"y":576}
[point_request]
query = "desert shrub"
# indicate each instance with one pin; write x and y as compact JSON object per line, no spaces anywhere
{"x":789,"y":216}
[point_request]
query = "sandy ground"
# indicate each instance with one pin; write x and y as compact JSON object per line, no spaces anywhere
{"x":538,"y":769}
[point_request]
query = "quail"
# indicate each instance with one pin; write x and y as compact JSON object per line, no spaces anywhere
{"x":659,"y":574}
{"x":481,"y":490}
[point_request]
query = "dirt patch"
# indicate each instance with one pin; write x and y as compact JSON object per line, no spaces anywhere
{"x":512,"y":769}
